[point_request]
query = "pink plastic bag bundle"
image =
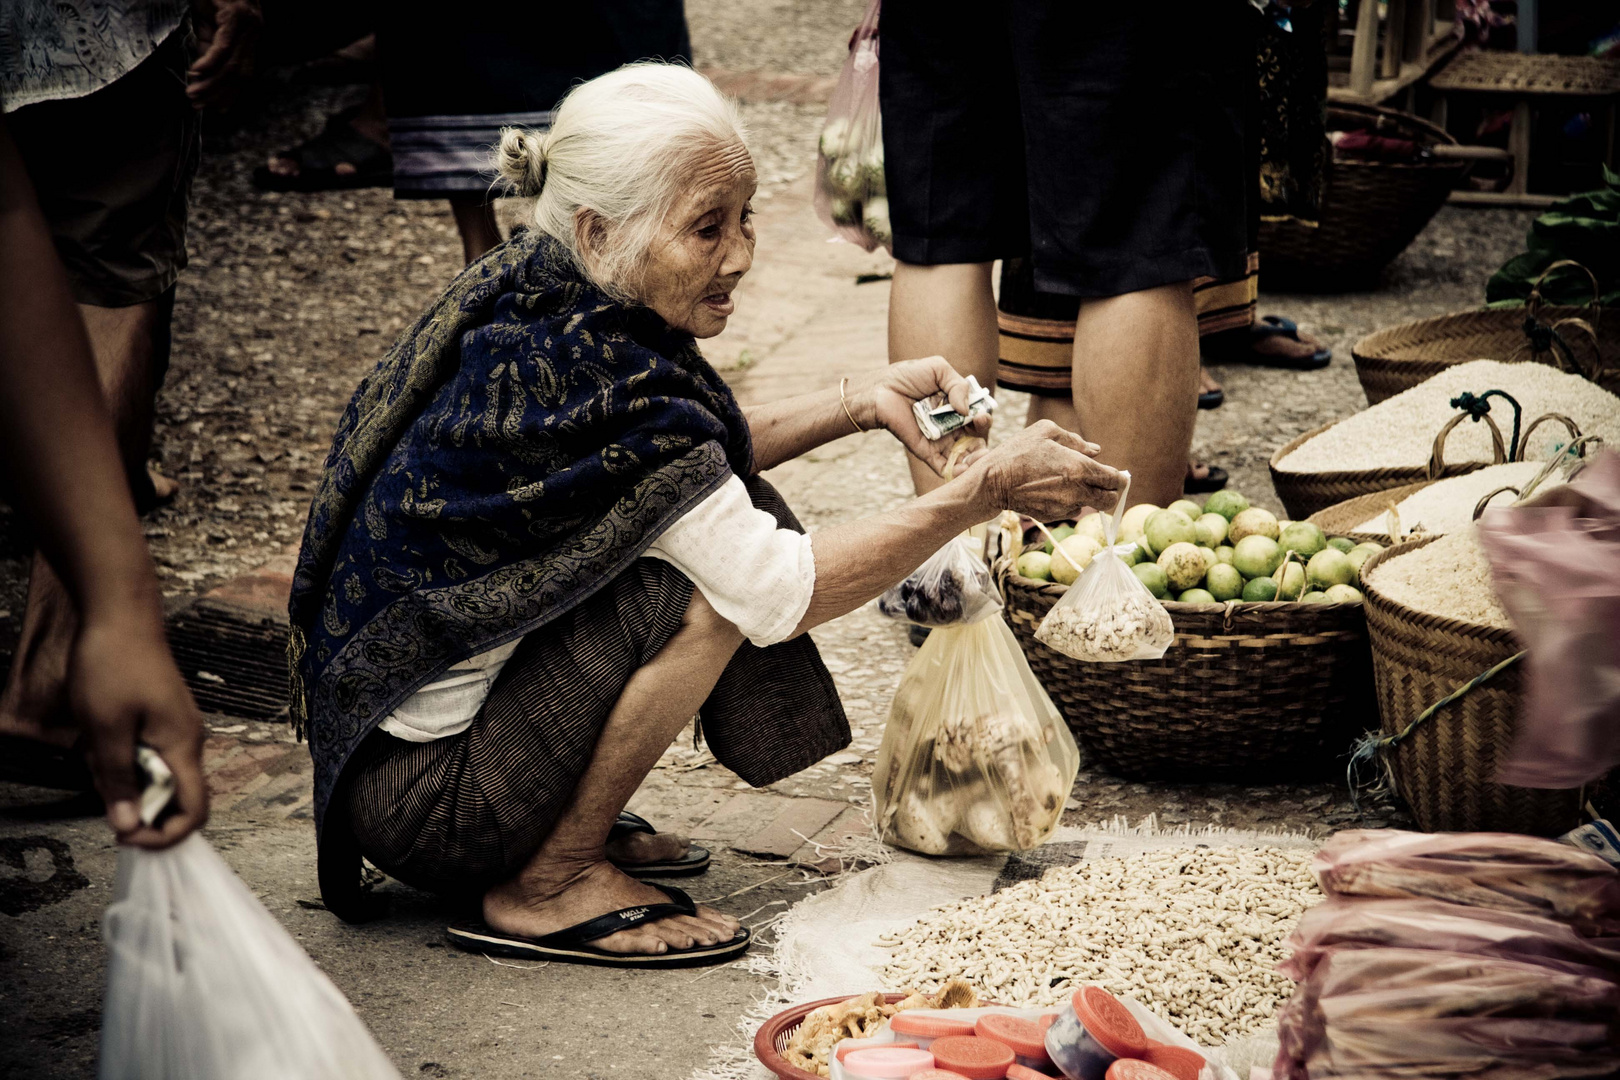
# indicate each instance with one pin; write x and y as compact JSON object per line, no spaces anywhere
{"x":1500,"y":871}
{"x":1556,"y":562}
{"x":1453,"y":928}
{"x":850,"y":193}
{"x":1426,"y":1013}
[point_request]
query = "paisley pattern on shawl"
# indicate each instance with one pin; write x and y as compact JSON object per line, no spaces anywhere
{"x":515,"y":450}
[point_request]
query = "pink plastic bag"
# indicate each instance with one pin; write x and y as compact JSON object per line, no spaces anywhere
{"x":1429,"y":1013}
{"x":1556,"y":561}
{"x":850,"y":193}
{"x":1501,"y":871}
{"x":1432,"y":924}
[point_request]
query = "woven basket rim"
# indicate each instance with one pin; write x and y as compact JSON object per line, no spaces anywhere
{"x":1220,"y":607}
{"x":1490,"y":635}
{"x":1344,"y":507}
{"x":789,"y":1020}
{"x":1365,"y":347}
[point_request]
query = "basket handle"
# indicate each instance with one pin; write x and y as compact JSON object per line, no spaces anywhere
{"x":1524,"y":440}
{"x":1479,"y":507}
{"x":1532,"y":304}
{"x":1437,"y":459}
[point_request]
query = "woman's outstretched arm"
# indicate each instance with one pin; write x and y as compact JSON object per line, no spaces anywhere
{"x":785,"y":429}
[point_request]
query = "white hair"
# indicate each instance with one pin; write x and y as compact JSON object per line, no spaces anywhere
{"x":618,"y":147}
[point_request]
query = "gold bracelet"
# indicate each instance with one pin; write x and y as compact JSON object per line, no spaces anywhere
{"x":842,"y":383}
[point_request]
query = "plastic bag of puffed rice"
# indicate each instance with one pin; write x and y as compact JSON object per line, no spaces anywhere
{"x":1108,"y":615}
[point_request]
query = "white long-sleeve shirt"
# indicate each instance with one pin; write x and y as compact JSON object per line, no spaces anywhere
{"x":757,"y":576}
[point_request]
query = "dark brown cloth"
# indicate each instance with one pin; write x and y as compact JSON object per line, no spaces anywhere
{"x":461,"y":813}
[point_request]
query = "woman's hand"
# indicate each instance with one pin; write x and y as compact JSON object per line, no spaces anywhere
{"x":1046,"y":472}
{"x":886,"y":402}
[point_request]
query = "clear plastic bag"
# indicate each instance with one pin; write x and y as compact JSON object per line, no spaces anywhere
{"x":975,"y":756}
{"x":1556,"y":563}
{"x":1434,"y":924}
{"x":954,"y":586}
{"x":1431,"y":1013}
{"x":1108,"y":615}
{"x":203,"y":984}
{"x":1502,"y":871}
{"x":850,"y":193}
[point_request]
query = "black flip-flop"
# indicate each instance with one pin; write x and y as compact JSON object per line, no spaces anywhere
{"x":1214,"y":481}
{"x":572,"y":946}
{"x":1277,"y":326}
{"x":695,"y":861}
{"x":318,"y":159}
{"x":1211,"y":399}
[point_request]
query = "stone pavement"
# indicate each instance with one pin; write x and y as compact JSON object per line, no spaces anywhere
{"x":802,"y":323}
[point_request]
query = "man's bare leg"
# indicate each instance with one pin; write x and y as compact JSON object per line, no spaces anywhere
{"x":947,"y":311}
{"x":570,"y":880}
{"x":125,"y":342}
{"x":475,"y":221}
{"x":1136,"y":385}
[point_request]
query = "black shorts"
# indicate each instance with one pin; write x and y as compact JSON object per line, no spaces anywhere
{"x":1104,"y":140}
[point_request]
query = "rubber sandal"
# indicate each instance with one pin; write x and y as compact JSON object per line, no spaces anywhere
{"x":1277,"y":326}
{"x":695,"y":861}
{"x":318,"y":159}
{"x":573,"y":945}
{"x":1216,"y":480}
{"x":1211,"y":399}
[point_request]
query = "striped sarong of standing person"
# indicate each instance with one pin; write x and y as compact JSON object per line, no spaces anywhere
{"x":1037,"y":328}
{"x":443,"y":155}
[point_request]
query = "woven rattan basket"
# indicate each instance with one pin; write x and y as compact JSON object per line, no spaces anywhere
{"x":1341,"y":519}
{"x":1307,"y":493}
{"x":1246,"y":690}
{"x":1397,"y":358}
{"x":1443,"y":769}
{"x":1370,"y":209}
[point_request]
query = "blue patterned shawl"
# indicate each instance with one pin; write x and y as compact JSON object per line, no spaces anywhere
{"x":516,"y":449}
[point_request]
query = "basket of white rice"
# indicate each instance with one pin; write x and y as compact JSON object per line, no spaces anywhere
{"x":1436,"y":625}
{"x":1419,"y":435}
{"x":1434,"y":507}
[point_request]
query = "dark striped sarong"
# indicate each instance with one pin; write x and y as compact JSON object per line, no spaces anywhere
{"x":458,"y":814}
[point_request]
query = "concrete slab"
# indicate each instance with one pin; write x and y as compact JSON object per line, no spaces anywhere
{"x":792,"y":826}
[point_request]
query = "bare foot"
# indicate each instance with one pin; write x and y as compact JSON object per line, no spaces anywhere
{"x":637,"y":848}
{"x":1283,"y":347}
{"x":545,"y":899}
{"x":34,"y":703}
{"x":1206,"y":383}
{"x":1197,"y":470}
{"x":162,"y":486}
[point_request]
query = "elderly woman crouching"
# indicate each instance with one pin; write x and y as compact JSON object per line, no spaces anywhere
{"x":541,"y":546}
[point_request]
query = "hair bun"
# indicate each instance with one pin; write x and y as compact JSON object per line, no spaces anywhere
{"x":520,"y":160}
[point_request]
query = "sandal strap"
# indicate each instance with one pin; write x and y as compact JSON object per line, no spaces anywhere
{"x":629,"y":824}
{"x":623,"y":919}
{"x":338,"y":143}
{"x":1277,"y":326}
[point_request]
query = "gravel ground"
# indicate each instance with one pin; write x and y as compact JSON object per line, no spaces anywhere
{"x":773,"y":35}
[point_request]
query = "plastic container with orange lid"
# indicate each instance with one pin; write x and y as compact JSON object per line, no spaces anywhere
{"x":849,"y":1048}
{"x":1092,"y":1033}
{"x":1024,"y":1072}
{"x":1179,"y":1062}
{"x":1046,"y":1021}
{"x":886,"y":1063}
{"x":1133,"y":1069}
{"x":924,"y":1028}
{"x":1025,"y":1037}
{"x":973,"y":1057}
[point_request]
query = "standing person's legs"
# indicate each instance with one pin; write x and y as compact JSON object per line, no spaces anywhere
{"x":946,"y":311}
{"x":955,"y":177}
{"x":475,"y":221}
{"x":118,"y":219}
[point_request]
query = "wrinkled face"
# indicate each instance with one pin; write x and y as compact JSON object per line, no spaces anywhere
{"x":705,"y":245}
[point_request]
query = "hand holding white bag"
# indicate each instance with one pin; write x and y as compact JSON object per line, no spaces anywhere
{"x":203,"y":984}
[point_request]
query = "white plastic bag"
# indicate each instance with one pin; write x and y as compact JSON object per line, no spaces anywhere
{"x":953,"y":587}
{"x":203,"y":984}
{"x":1108,"y":615}
{"x":975,"y":756}
{"x":850,"y":191}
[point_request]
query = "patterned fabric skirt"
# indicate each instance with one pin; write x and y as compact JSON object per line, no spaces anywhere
{"x":458,"y":814}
